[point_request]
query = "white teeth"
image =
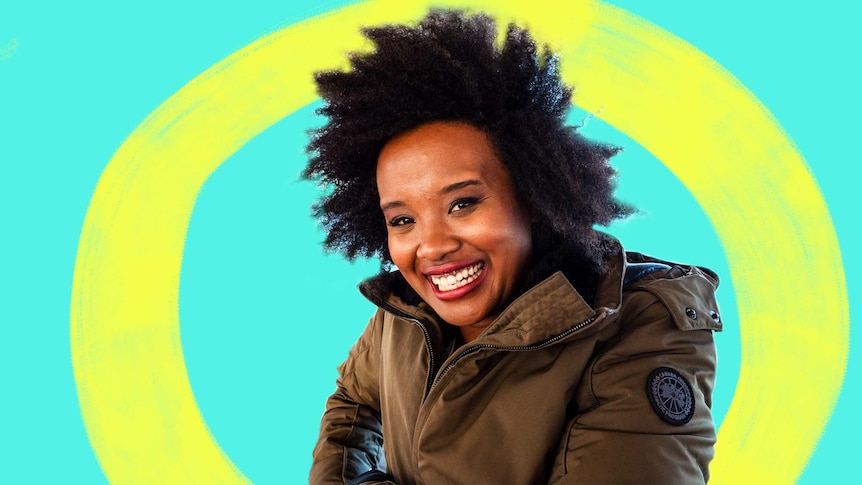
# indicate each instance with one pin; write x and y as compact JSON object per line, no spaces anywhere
{"x":451,"y":281}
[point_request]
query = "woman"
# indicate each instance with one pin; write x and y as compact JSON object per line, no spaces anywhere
{"x":514,"y":343}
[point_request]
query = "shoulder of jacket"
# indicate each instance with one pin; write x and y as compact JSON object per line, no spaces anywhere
{"x":688,"y":292}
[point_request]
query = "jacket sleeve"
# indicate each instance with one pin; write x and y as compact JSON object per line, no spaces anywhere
{"x":643,"y":407}
{"x":349,"y":449}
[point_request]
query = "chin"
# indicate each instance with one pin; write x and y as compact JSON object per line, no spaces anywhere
{"x":460,"y":319}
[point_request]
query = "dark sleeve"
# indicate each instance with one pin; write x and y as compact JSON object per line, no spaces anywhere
{"x":350,"y":445}
{"x":644,"y":405}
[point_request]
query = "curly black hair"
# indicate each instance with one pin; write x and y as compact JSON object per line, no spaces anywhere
{"x":449,"y":68}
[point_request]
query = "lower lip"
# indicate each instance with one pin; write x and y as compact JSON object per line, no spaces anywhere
{"x":459,"y":292}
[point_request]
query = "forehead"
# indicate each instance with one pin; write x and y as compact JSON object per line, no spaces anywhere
{"x":435,"y":155}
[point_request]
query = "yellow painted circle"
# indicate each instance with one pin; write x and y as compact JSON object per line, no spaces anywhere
{"x":712,"y":133}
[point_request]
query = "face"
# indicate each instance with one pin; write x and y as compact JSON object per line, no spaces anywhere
{"x":455,"y":229}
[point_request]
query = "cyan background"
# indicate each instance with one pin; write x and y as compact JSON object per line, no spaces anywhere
{"x":265,"y":315}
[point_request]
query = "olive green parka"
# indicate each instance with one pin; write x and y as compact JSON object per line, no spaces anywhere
{"x":555,"y":390}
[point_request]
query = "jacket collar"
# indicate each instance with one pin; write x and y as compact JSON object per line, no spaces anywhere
{"x":556,"y":303}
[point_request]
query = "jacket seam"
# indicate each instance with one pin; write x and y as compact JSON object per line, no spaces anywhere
{"x":344,"y":457}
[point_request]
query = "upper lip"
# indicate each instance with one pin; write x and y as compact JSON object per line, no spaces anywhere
{"x":449,"y":267}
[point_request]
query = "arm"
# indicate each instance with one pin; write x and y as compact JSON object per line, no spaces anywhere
{"x":644,"y":403}
{"x":350,"y":447}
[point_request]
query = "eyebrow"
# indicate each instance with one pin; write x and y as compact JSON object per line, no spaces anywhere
{"x":446,"y":190}
{"x":459,"y":185}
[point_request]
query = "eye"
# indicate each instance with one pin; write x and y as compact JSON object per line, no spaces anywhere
{"x":461,"y":205}
{"x":399,"y":221}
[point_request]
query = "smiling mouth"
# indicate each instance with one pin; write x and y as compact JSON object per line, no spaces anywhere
{"x":457,"y":279}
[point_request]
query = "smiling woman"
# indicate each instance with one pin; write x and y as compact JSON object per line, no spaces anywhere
{"x":509,"y":328}
{"x":456,"y":230}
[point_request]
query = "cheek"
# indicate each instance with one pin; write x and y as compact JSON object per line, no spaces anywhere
{"x":515,"y":223}
{"x":392,"y":247}
{"x":520,"y":250}
{"x":520,"y":242}
{"x":399,"y":252}
{"x":508,"y":242}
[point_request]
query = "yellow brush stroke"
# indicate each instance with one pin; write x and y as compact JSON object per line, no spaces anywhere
{"x":135,"y":397}
{"x":7,"y":50}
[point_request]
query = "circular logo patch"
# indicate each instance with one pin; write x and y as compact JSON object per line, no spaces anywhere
{"x":670,"y":395}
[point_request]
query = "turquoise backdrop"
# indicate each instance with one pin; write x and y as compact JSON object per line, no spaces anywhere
{"x":265,"y":315}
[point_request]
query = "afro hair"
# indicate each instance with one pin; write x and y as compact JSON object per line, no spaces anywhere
{"x":449,"y":67}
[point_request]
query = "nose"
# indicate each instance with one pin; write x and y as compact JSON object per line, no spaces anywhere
{"x":437,"y":240}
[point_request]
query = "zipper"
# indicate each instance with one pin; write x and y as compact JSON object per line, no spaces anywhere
{"x":538,"y":345}
{"x":434,"y":379}
{"x":428,"y":346}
